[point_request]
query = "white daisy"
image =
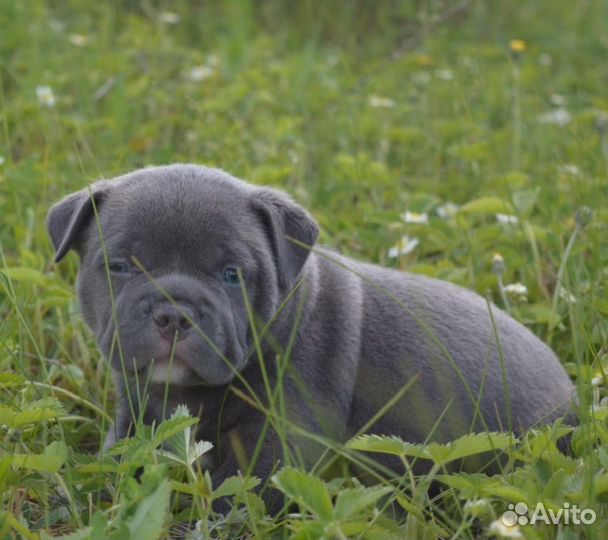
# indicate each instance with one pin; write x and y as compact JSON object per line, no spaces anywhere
{"x":381,"y":102}
{"x":557,"y":117}
{"x":516,"y":290}
{"x":569,"y":169}
{"x":200,"y":73}
{"x":447,"y":210}
{"x":507,"y":219}
{"x":403,"y":247}
{"x":45,"y":95}
{"x":498,"y":528}
{"x":415,"y":217}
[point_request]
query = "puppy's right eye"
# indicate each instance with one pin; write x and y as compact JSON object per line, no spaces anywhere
{"x":230,"y":275}
{"x":119,"y":268}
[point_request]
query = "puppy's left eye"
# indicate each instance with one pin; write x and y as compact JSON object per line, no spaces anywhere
{"x":119,"y":268}
{"x":230,"y":275}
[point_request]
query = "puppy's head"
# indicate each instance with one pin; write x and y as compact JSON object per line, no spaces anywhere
{"x":166,"y":255}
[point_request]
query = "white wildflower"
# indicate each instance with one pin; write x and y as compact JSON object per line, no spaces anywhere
{"x":516,"y":290}
{"x":558,"y":117}
{"x":381,"y":102}
{"x":477,"y":508}
{"x":403,"y":247}
{"x":415,"y":217}
{"x":168,"y":17}
{"x":498,"y":528}
{"x":444,"y":74}
{"x":78,"y":40}
{"x":2,"y":161}
{"x":566,"y":295}
{"x":45,"y":95}
{"x":200,"y":73}
{"x":196,"y":533}
{"x":507,"y":219}
{"x":569,"y":169}
{"x":545,"y":59}
{"x":447,"y":210}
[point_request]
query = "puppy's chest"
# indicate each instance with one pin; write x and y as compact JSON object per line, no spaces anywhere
{"x":216,"y":408}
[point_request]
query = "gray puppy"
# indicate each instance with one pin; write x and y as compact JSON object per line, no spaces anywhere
{"x":341,"y":338}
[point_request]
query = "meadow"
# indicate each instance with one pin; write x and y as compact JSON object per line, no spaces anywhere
{"x":462,"y":140}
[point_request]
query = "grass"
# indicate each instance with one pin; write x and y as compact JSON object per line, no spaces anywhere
{"x":362,"y":112}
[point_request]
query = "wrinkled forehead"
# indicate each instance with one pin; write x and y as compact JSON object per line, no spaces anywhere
{"x":177,"y":217}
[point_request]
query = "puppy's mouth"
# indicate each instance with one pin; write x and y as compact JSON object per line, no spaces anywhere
{"x":186,"y":362}
{"x":174,"y":371}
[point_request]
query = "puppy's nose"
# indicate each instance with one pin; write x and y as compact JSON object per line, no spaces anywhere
{"x":172,"y":319}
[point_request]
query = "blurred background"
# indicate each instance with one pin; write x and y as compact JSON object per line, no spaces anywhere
{"x":424,"y":134}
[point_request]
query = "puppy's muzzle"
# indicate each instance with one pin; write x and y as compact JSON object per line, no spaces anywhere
{"x":173,"y":321}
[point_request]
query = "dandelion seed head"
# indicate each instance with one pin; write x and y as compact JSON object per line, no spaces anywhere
{"x":498,"y":263}
{"x":583,"y":217}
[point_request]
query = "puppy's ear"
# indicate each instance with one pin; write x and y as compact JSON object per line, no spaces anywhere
{"x":283,"y":219}
{"x":68,"y":217}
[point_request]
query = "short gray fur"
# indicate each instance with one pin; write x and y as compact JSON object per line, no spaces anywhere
{"x":363,"y":333}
